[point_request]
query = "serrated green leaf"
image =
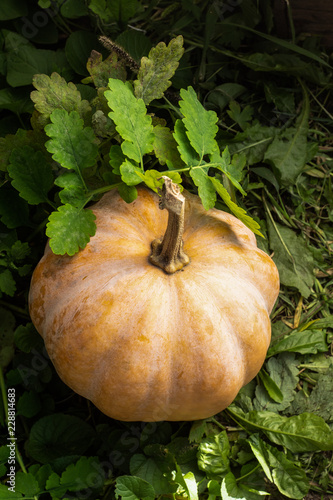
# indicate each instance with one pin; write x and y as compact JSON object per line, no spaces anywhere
{"x":131,"y":119}
{"x":236,"y":210}
{"x":200,"y":124}
{"x":165,"y":148}
{"x":206,"y":190}
{"x":187,"y":153}
{"x":53,"y":92}
{"x":232,"y":168}
{"x":72,"y":145}
{"x":157,"y":69}
{"x":155,"y":471}
{"x":26,"y":483}
{"x":152,"y":178}
{"x":75,"y":476}
{"x":28,"y":404}
{"x":101,"y":71}
{"x":128,"y":193}
{"x":134,"y":488}
{"x":31,"y":174}
{"x":69,"y":229}
{"x":73,"y":190}
{"x":241,"y":116}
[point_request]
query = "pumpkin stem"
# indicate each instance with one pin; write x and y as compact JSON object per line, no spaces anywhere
{"x":168,"y":253}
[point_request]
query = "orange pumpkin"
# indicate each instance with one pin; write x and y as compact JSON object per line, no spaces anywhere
{"x":168,"y":336}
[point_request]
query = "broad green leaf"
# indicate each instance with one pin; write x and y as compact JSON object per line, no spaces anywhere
{"x":213,"y":455}
{"x":300,"y":433}
{"x":191,"y":485}
{"x":79,"y":45}
{"x":58,"y":435}
{"x":155,"y":471}
{"x":72,"y":145}
{"x":13,"y":10}
{"x":128,"y":193}
{"x":253,"y":142}
{"x":290,"y":479}
{"x":135,"y":43}
{"x":157,"y":69}
{"x":27,"y":338}
{"x":69,"y":229}
{"x":133,"y":488}
{"x":235,"y":209}
{"x":31,"y":174}
{"x":231,"y":489}
{"x":206,"y":190}
{"x":200,"y":124}
{"x":29,"y":404}
{"x":304,"y":342}
{"x":28,"y":61}
{"x":165,"y":148}
{"x":292,"y":257}
{"x":131,"y":119}
{"x":223,"y":94}
{"x":283,"y":376}
{"x":21,"y":138}
{"x":288,"y":151}
{"x":116,"y":11}
{"x":271,"y":387}
{"x":4,"y":495}
{"x":53,"y":92}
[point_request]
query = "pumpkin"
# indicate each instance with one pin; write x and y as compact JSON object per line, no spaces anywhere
{"x":157,"y":329}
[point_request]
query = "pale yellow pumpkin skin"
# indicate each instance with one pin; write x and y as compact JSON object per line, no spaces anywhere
{"x":144,"y":345}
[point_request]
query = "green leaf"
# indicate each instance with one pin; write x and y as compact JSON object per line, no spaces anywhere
{"x":300,"y":433}
{"x":187,"y":153}
{"x":117,"y":10}
{"x":200,"y":124}
{"x":320,"y":400}
{"x":53,"y":92}
{"x":4,"y":495}
{"x":73,"y":190}
{"x":292,"y":257}
{"x":156,"y":70}
{"x":7,"y":283}
{"x":69,"y":229}
{"x":231,"y":168}
{"x":76,"y":476}
{"x":128,"y":193}
{"x":58,"y":435}
{"x":241,"y":116}
{"x":101,"y":71}
{"x":233,"y":490}
{"x":165,"y":148}
{"x":131,"y":119}
{"x":13,"y":10}
{"x":29,"y":404}
{"x":213,"y":455}
{"x":271,"y":387}
{"x":288,"y":151}
{"x":130,"y":173}
{"x":79,"y":46}
{"x":135,"y":43}
{"x":133,"y":488}
{"x":155,"y":471}
{"x":206,"y":190}
{"x":27,"y":338}
{"x":290,"y":479}
{"x":235,"y":209}
{"x":26,"y":483}
{"x":304,"y":342}
{"x":72,"y":145}
{"x":31,"y":174}
{"x":152,"y":178}
{"x":283,"y":379}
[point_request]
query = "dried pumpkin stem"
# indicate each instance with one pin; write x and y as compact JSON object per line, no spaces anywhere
{"x":168,"y":253}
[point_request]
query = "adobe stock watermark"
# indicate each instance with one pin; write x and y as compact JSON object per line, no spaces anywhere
{"x":11,"y":405}
{"x":40,"y":19}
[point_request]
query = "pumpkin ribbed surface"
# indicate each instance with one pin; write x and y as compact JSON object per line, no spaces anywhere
{"x":144,"y":345}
